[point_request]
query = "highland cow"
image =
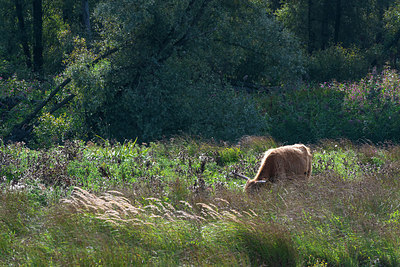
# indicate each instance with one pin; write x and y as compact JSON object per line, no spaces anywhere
{"x":282,"y":163}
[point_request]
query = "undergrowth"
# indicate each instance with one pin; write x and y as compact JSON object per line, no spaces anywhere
{"x":363,"y":110}
{"x":175,"y":203}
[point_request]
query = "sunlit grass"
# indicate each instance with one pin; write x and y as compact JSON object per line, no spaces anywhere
{"x":186,"y":209}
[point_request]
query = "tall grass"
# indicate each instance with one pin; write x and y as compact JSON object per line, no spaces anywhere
{"x":174,"y":203}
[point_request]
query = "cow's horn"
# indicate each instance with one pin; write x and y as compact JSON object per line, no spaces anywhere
{"x":240,"y":176}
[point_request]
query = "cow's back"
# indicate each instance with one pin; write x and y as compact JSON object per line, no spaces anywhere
{"x":289,"y":162}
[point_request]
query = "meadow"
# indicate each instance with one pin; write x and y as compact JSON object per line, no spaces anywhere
{"x":175,"y":202}
{"x":206,"y":87}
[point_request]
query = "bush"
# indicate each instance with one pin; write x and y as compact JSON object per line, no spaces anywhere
{"x":337,"y":63}
{"x":304,"y":115}
{"x":51,"y":130}
{"x":4,"y":67}
{"x":372,"y":106}
{"x":368,"y":109}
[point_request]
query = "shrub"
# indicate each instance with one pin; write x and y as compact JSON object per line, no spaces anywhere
{"x":14,"y":160}
{"x":161,"y":86}
{"x":51,"y":130}
{"x":337,"y":63}
{"x":4,"y":66}
{"x":368,"y":109}
{"x":304,"y":115}
{"x":372,"y":106}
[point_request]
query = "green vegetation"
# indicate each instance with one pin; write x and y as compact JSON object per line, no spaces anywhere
{"x":365,"y":110}
{"x":156,"y":69}
{"x":178,"y":204}
{"x":204,"y":87}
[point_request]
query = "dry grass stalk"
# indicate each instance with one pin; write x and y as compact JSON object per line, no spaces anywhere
{"x":115,"y":208}
{"x":111,"y":206}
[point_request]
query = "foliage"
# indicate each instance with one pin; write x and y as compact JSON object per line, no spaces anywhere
{"x":159,"y":217}
{"x":187,"y":67}
{"x":9,"y":51}
{"x":61,"y":23}
{"x":392,"y":33}
{"x":337,"y":63}
{"x":318,"y":19}
{"x":373,"y":105}
{"x":304,"y":115}
{"x":182,"y":79}
{"x":368,"y":109}
{"x":358,"y":34}
{"x":17,"y":98}
{"x":173,"y":104}
{"x":13,"y":161}
{"x":51,"y":130}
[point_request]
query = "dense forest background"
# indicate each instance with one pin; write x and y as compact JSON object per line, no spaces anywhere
{"x":298,"y":70}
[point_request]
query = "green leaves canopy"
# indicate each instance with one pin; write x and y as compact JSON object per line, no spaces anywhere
{"x":180,"y":62}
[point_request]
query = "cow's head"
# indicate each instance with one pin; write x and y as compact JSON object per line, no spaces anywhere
{"x":254,"y":185}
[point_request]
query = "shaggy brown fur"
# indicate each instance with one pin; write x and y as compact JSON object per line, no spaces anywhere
{"x":286,"y":162}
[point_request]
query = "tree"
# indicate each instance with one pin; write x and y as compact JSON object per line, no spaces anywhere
{"x":38,"y":37}
{"x":338,"y":17}
{"x":67,"y":11}
{"x":23,"y":33}
{"x":179,"y":63}
{"x":310,"y":19}
{"x":391,"y":36}
{"x":351,"y":23}
{"x":353,"y":27}
{"x":85,"y":18}
{"x":9,"y":38}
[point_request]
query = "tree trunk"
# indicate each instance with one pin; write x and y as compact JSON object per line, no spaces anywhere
{"x":86,"y":18}
{"x":309,"y":27}
{"x":22,"y":33}
{"x":337,"y":20}
{"x":67,"y":10}
{"x":324,"y":24}
{"x":37,"y":38}
{"x":382,"y":6}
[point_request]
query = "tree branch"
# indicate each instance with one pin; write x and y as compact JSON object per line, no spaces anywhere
{"x":62,"y":103}
{"x":43,"y":103}
{"x":21,"y":130}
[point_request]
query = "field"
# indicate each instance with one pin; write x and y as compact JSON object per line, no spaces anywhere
{"x":174,"y":202}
